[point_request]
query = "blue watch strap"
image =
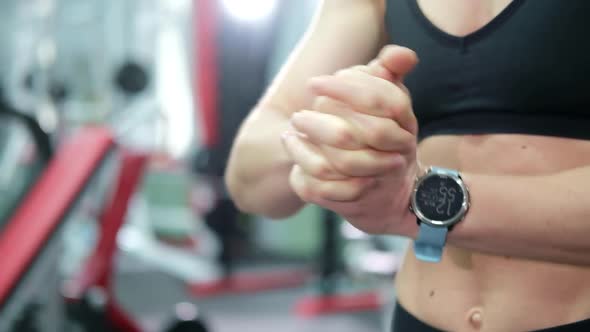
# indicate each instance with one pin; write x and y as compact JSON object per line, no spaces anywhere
{"x":430,"y":242}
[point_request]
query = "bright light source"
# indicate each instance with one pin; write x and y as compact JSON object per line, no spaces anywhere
{"x":250,"y":10}
{"x":174,"y":90}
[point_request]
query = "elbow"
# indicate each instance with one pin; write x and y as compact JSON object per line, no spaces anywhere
{"x":236,"y":189}
{"x":237,"y":185}
{"x":237,"y":192}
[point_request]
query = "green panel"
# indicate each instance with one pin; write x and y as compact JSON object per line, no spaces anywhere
{"x":166,"y":188}
{"x":167,"y":196}
{"x":297,"y":236}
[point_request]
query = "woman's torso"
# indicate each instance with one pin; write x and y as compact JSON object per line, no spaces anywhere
{"x":509,"y":293}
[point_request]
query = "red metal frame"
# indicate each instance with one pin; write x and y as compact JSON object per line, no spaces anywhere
{"x":98,"y":269}
{"x":44,"y":208}
{"x":251,"y":282}
{"x":338,"y":303}
{"x":205,"y":69}
{"x":37,"y":216}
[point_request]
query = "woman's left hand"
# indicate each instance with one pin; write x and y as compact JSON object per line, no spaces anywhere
{"x":355,"y":152}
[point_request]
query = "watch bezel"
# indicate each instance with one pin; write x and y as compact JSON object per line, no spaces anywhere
{"x":440,"y":172}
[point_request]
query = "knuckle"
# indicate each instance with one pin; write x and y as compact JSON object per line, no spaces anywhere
{"x":308,"y":193}
{"x":321,"y":103}
{"x":357,"y":190}
{"x":401,"y":105}
{"x":399,"y":165}
{"x":341,"y":136}
{"x":345,"y":164}
{"x":408,"y":141}
{"x":321,"y":170}
{"x":378,"y":133}
{"x":371,"y":99}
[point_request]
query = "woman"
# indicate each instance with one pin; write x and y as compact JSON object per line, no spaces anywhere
{"x":498,"y":97}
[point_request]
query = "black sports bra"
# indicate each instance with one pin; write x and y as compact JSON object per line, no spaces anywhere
{"x":527,"y":71}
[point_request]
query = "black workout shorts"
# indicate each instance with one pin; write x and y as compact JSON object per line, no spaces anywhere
{"x":403,"y":321}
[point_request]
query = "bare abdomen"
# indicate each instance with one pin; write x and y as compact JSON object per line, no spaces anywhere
{"x":509,"y":293}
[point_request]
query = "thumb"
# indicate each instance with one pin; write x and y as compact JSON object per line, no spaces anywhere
{"x":376,"y":68}
{"x":398,"y":60}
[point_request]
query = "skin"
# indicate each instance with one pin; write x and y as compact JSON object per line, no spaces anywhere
{"x":326,"y":141}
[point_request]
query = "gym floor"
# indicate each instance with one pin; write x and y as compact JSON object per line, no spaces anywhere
{"x":151,"y":295}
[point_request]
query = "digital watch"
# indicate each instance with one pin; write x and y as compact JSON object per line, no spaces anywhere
{"x":440,"y":200}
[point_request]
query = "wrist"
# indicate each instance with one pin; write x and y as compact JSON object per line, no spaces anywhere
{"x":440,"y":200}
{"x":406,"y":224}
{"x":409,"y":226}
{"x":410,"y":223}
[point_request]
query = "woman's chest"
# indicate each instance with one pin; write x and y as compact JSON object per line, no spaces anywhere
{"x":461,"y":17}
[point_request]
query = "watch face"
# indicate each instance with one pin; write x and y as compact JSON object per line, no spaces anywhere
{"x":439,"y":198}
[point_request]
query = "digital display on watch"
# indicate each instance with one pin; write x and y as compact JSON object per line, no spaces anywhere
{"x":439,"y":198}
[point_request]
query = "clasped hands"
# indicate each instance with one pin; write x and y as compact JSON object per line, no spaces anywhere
{"x":354,"y":152}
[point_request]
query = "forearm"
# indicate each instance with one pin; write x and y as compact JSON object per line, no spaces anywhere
{"x":258,"y":168}
{"x":537,"y":217}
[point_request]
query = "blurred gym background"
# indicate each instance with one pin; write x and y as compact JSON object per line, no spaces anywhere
{"x":116,"y":121}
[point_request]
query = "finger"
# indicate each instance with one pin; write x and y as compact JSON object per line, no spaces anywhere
{"x":328,"y":129}
{"x":332,"y":106}
{"x":372,"y":131}
{"x":378,"y":70}
{"x":398,"y":60}
{"x":309,"y":157}
{"x":352,"y":130}
{"x":362,"y":92}
{"x":313,"y":190}
{"x":382,"y":134}
{"x":362,"y":163}
{"x":374,"y":68}
{"x":368,"y":95}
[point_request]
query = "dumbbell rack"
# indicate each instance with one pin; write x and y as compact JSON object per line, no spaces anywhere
{"x":30,"y":241}
{"x":32,"y":297}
